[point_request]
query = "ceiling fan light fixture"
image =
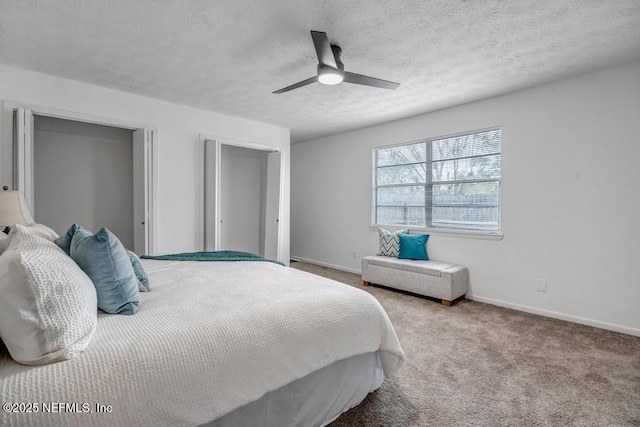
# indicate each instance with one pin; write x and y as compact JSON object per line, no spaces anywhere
{"x":329,"y":76}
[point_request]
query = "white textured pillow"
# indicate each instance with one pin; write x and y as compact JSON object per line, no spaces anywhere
{"x":39,"y":230}
{"x":4,"y":242}
{"x":48,"y":308}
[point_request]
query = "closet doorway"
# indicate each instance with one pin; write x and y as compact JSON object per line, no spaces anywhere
{"x":242,"y":195}
{"x":96,"y":172}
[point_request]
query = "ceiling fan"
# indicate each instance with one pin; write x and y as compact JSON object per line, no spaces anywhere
{"x":331,"y":69}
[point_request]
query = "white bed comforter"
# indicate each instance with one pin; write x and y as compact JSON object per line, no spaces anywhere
{"x":209,"y":338}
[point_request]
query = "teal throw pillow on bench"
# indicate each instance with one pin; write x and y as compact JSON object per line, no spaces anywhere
{"x":103,"y":258}
{"x":412,"y":246}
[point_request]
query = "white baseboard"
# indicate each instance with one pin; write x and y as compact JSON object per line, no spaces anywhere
{"x":527,"y":309}
{"x":561,"y":316}
{"x":324,"y":264}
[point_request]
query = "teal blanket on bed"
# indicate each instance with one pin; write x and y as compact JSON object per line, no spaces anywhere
{"x":211,"y":256}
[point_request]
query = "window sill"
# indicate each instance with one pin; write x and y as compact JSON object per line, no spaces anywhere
{"x":465,"y":234}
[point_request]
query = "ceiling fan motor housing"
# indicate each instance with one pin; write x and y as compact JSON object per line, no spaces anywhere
{"x":337,"y":51}
{"x":327,"y":74}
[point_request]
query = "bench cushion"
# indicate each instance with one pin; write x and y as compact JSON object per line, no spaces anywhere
{"x":432,"y":268}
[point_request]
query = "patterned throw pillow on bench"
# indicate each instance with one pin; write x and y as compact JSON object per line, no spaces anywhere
{"x":390,"y":242}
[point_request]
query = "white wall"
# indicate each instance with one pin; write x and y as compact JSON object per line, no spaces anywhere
{"x":241,"y":201}
{"x":570,"y":198}
{"x":179,"y":154}
{"x":83,"y":173}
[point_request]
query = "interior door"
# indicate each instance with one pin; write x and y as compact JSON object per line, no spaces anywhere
{"x":140,"y":191}
{"x":273,"y":200}
{"x":23,"y":155}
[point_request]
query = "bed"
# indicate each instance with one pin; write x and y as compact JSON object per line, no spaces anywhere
{"x":218,"y":344}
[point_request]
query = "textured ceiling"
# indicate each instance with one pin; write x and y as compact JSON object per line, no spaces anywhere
{"x":229,"y":55}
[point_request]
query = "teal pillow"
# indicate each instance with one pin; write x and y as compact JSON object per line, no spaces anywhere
{"x":413,"y":246}
{"x":103,"y":258}
{"x":64,"y":241}
{"x":141,"y":275}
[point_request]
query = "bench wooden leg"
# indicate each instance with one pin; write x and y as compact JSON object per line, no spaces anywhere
{"x":365,"y":283}
{"x":446,"y":303}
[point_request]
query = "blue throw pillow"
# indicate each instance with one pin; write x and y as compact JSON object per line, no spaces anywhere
{"x":103,"y":258}
{"x":143,"y":279}
{"x":64,"y":241}
{"x":412,"y":246}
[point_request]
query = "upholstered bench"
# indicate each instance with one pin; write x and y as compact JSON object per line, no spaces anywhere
{"x":435,"y":279}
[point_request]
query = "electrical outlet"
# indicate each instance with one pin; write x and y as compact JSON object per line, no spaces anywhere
{"x":541,"y":285}
{"x":354,"y":254}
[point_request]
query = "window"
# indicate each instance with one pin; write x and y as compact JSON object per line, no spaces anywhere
{"x":451,"y":182}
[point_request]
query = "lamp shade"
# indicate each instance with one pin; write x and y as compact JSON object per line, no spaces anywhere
{"x":13,"y":209}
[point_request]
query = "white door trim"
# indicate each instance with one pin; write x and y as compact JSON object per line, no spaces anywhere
{"x":23,"y":159}
{"x":280,"y":204}
{"x":210,"y":228}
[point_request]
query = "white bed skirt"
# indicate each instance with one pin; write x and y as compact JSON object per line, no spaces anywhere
{"x":314,"y":400}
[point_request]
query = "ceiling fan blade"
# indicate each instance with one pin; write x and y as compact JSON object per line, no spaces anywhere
{"x":323,"y":49}
{"x":299,"y":84}
{"x":369,"y":81}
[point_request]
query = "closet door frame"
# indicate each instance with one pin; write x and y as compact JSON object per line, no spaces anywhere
{"x":211,"y":148}
{"x":17,"y":140}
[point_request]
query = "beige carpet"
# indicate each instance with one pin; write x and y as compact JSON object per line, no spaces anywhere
{"x":482,"y":365}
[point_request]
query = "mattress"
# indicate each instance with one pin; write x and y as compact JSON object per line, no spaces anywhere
{"x":209,"y":338}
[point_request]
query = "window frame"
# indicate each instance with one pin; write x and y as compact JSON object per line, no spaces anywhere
{"x":455,"y":232}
